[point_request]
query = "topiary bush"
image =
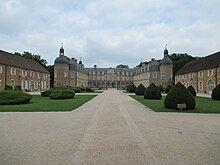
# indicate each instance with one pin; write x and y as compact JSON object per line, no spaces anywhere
{"x":192,"y":90}
{"x":10,"y":97}
{"x":89,"y":89}
{"x":152,"y":92}
{"x":179,"y":95}
{"x":216,"y":93}
{"x":161,"y":88}
{"x":62,"y":94}
{"x":76,"y":90}
{"x":168,"y":88}
{"x":47,"y":93}
{"x":128,"y":88}
{"x":132,"y":88}
{"x":140,"y":90}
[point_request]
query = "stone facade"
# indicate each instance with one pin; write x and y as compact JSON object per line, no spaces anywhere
{"x":69,"y":73}
{"x":105,"y":78}
{"x":203,"y":74}
{"x":17,"y":71}
{"x":159,"y":72}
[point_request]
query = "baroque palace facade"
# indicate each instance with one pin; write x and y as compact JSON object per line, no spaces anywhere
{"x":20,"y":72}
{"x":69,"y":73}
{"x":203,"y":74}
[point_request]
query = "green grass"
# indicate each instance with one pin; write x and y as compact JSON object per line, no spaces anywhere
{"x":203,"y":105}
{"x":45,"y":104}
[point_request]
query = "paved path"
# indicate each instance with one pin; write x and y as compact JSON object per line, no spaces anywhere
{"x":112,"y":129}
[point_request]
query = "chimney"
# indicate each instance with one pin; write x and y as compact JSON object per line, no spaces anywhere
{"x":95,"y":66}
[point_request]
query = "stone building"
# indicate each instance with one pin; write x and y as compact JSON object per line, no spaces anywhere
{"x":20,"y":72}
{"x":109,"y":77}
{"x":159,"y":72}
{"x":203,"y":74}
{"x":69,"y":73}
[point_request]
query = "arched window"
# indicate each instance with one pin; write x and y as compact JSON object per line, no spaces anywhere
{"x":211,"y":85}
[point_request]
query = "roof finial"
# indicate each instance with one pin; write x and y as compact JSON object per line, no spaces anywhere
{"x":61,"y":45}
{"x":166,"y":46}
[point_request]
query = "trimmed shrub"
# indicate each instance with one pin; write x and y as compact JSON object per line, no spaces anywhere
{"x":10,"y":97}
{"x":216,"y":93}
{"x":89,"y":89}
{"x":62,"y":94}
{"x":152,"y":92}
{"x":76,"y":89}
{"x":8,"y":87}
{"x":82,"y":88}
{"x":179,"y":95}
{"x":132,"y":88}
{"x":140,"y":90}
{"x":192,"y":90}
{"x":161,"y":88}
{"x":168,"y":88}
{"x":128,"y":88}
{"x":47,"y":92}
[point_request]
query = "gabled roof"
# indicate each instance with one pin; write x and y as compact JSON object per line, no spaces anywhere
{"x":21,"y":62}
{"x":207,"y":62}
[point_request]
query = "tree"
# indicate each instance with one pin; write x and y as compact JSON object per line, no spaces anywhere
{"x":140,"y":90}
{"x":34,"y":57}
{"x":122,"y":66}
{"x":179,"y":60}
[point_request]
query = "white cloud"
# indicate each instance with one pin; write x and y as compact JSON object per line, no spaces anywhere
{"x":108,"y":33}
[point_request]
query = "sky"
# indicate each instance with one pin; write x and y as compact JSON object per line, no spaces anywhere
{"x":110,"y":32}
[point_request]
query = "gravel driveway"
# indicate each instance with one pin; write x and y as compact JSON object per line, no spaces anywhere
{"x":111,"y":129}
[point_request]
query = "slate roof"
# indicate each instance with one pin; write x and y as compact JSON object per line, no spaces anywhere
{"x":208,"y":62}
{"x":21,"y":62}
{"x":115,"y":69}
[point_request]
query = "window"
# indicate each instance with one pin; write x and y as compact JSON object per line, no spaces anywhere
{"x":94,"y":72}
{"x":65,"y":74}
{"x":122,"y":73}
{"x":162,"y":75}
{"x":201,"y":74}
{"x":210,"y":72}
{"x":182,"y":76}
{"x":200,"y":85}
{"x":31,"y":74}
{"x":0,"y":69}
{"x":211,"y":85}
{"x":24,"y":73}
{"x":38,"y":75}
{"x":154,"y":75}
{"x":13,"y":71}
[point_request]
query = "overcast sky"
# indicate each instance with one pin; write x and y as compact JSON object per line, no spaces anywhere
{"x":110,"y":32}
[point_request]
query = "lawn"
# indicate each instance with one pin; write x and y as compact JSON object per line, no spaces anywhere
{"x":45,"y":104}
{"x":203,"y":105}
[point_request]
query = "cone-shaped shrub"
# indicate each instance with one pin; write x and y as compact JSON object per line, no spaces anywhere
{"x":62,"y":94}
{"x":192,"y":90}
{"x":216,"y":93}
{"x":9,"y":97}
{"x":140,"y":90}
{"x":161,"y":88}
{"x":128,"y":88}
{"x":152,"y":92}
{"x":179,"y":95}
{"x":168,"y":88}
{"x":132,"y":88}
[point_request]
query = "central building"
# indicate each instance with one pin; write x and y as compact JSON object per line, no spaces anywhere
{"x":69,"y":73}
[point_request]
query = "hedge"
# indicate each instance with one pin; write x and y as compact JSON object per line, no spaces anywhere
{"x":62,"y":94}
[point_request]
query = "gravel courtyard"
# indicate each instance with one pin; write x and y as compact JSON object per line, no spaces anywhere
{"x":111,"y":129}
